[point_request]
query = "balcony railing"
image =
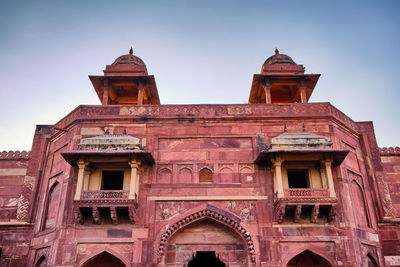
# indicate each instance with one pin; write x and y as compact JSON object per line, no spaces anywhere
{"x":105,"y":194}
{"x":306,"y":192}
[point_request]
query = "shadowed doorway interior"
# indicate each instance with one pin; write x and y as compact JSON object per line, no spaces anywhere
{"x":205,"y":258}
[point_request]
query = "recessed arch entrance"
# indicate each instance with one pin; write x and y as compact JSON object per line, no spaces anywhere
{"x":104,"y":259}
{"x":308,"y":258}
{"x":205,"y":258}
{"x":206,"y":232}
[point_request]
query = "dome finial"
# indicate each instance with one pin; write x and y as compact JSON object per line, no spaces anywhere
{"x":131,"y":51}
{"x":276,"y":51}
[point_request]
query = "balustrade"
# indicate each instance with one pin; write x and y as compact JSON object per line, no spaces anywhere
{"x":306,"y":192}
{"x":105,"y":194}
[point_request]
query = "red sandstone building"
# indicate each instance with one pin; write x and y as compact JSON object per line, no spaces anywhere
{"x":131,"y":182}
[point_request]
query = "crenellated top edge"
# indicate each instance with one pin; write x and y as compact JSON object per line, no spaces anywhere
{"x":14,"y":154}
{"x":390,"y":150}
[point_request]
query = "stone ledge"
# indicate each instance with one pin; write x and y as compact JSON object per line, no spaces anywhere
{"x":197,"y":198}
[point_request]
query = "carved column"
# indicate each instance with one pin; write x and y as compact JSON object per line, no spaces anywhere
{"x":329,"y":176}
{"x":278,"y":176}
{"x":81,"y":165}
{"x":105,"y":92}
{"x":134,"y":183}
{"x":267,"y":90}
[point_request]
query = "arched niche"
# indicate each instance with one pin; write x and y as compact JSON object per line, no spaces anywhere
{"x":185,"y":176}
{"x":103,"y":259}
{"x":164,"y":176}
{"x":52,"y":206}
{"x":226,"y":175}
{"x":308,"y":258}
{"x":359,"y":207}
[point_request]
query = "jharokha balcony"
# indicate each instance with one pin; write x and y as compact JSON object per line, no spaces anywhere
{"x":305,"y":204}
{"x":103,"y":205}
{"x":108,"y":169}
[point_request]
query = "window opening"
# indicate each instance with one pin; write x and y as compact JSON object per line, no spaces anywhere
{"x":205,"y":176}
{"x":113,"y":180}
{"x":298,"y":179}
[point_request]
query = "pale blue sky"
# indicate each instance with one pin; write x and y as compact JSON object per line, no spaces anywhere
{"x":199,"y":52}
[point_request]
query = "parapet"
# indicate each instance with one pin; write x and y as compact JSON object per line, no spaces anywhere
{"x":390,"y":151}
{"x":8,"y":155}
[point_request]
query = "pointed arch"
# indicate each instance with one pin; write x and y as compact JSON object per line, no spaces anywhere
{"x":214,"y":214}
{"x":326,"y":260}
{"x":85,"y":262}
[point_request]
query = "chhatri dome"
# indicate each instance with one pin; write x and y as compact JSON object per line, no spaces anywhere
{"x":128,"y":59}
{"x":279,"y":59}
{"x":126,"y":81}
{"x":282,"y":81}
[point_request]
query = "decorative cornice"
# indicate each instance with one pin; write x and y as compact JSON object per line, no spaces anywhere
{"x":8,"y":155}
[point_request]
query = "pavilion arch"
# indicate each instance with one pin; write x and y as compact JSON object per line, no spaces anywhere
{"x":98,"y":252}
{"x":214,"y":214}
{"x":314,"y":251}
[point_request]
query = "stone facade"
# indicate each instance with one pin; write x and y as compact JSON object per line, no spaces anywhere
{"x":278,"y":182}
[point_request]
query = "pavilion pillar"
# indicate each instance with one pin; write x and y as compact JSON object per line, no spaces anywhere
{"x":134,"y":183}
{"x":329,"y":177}
{"x":278,"y":176}
{"x":267,"y":91}
{"x":303,"y":95}
{"x":140,"y":93}
{"x":105,"y":92}
{"x":81,"y":173}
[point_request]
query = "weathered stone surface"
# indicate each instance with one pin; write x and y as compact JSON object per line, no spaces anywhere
{"x":164,"y":211}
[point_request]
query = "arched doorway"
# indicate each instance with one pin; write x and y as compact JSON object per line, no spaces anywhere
{"x":104,"y":259}
{"x":205,"y":258}
{"x":198,"y":243}
{"x":41,"y":262}
{"x":371,"y":261}
{"x":308,"y":259}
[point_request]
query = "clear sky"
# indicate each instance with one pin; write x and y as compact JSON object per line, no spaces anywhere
{"x":199,"y":52}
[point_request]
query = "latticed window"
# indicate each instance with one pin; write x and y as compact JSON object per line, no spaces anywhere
{"x":205,"y":176}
